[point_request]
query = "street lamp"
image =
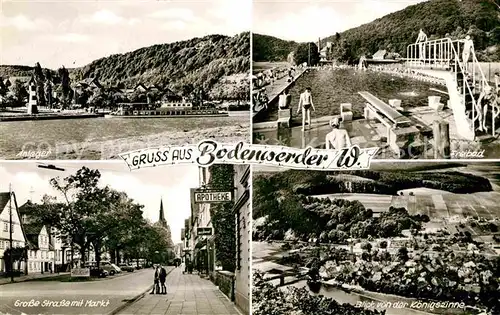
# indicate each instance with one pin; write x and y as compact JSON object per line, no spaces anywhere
{"x":10,"y":235}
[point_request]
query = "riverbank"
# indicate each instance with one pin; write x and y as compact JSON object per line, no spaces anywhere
{"x":97,"y":147}
{"x":48,"y":116}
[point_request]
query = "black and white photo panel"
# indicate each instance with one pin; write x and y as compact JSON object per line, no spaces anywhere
{"x":95,"y":238}
{"x":88,"y":80}
{"x":419,"y":79}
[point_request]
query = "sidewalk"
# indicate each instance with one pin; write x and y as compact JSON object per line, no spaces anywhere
{"x":6,"y":280}
{"x":187,"y":294}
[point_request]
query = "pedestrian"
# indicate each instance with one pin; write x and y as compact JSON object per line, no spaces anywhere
{"x":305,"y":105}
{"x":338,"y":138}
{"x":163,"y":277}
{"x":156,"y":285}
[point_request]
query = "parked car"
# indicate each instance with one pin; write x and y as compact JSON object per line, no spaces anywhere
{"x":112,"y":269}
{"x":127,"y":268}
{"x":99,"y":273}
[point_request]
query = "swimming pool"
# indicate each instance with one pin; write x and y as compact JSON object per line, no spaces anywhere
{"x":331,"y":87}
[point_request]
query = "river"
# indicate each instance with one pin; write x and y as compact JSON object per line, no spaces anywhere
{"x":330,"y":88}
{"x":101,"y":138}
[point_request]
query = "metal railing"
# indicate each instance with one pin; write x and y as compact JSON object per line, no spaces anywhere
{"x":443,"y":54}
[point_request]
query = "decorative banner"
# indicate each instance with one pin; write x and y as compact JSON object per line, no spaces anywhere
{"x":210,"y":152}
{"x":212,"y":196}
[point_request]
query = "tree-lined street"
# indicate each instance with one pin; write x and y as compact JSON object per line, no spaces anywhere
{"x":99,"y":296}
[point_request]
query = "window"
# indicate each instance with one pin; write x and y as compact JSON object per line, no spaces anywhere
{"x":6,"y":227}
{"x":1,"y":244}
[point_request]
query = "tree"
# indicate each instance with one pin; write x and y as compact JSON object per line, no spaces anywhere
{"x":341,"y":51}
{"x":403,"y":254}
{"x":20,"y":94}
{"x":383,"y":244}
{"x":40,"y":84}
{"x":366,"y":247}
{"x":153,"y":96}
{"x":138,"y":97}
{"x":186,"y":90}
{"x":223,"y":219}
{"x":3,"y":89}
{"x":84,"y":97}
{"x":67,"y":92}
{"x":18,"y":254}
{"x":308,"y":53}
{"x":48,"y":90}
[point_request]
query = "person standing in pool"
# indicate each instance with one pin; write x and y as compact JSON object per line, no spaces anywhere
{"x":338,"y":138}
{"x":305,"y":105}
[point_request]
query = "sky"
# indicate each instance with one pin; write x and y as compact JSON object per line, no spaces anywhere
{"x":74,"y":33}
{"x":302,"y":21}
{"x":146,"y":186}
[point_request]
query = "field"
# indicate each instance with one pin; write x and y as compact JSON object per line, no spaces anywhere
{"x":436,"y":204}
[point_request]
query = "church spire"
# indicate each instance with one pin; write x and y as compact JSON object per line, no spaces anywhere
{"x":162,"y":214}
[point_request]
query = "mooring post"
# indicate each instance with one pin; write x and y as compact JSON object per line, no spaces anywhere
{"x":445,"y":139}
{"x":441,"y":132}
{"x":436,"y":132}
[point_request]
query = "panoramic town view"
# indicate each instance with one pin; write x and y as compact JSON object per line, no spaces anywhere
{"x":419,"y":79}
{"x":96,"y":239}
{"x":400,"y":238}
{"x":90,"y":80}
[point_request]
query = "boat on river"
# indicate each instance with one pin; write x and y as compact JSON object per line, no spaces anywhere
{"x":166,"y":110}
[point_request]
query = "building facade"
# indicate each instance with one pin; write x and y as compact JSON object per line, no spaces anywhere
{"x":204,"y":247}
{"x":9,"y":214}
{"x":40,"y":251}
{"x":242,"y":211}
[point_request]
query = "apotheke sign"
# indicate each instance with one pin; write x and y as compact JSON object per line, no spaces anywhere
{"x":210,"y":196}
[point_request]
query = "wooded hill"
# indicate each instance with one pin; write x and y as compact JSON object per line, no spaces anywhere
{"x":201,"y":62}
{"x":269,"y":48}
{"x":438,"y":19}
{"x":395,"y":31}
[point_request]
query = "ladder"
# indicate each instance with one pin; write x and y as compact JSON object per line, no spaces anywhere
{"x":466,"y":82}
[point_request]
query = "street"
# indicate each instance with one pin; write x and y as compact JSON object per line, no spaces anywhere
{"x":100,"y":296}
{"x":186,"y":294}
